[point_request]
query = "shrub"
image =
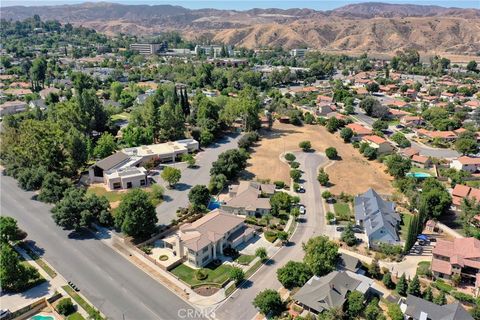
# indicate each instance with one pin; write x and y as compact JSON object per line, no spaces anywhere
{"x":290,"y":157}
{"x":463,"y":297}
{"x":305,"y":145}
{"x":201,"y":274}
{"x":65,"y":307}
{"x":331,"y":153}
{"x":294,"y":165}
{"x":279,"y":184}
{"x":163,"y":257}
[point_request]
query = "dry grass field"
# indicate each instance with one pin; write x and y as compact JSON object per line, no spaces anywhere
{"x":352,"y":174}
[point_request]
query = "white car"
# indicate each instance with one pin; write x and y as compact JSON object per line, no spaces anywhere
{"x":302,"y":209}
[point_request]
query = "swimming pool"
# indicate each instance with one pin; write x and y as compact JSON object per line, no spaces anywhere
{"x":214,"y":204}
{"x":42,"y":317}
{"x":419,"y":175}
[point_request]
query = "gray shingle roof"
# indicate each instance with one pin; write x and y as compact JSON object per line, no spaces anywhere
{"x":376,"y":213}
{"x":112,"y":161}
{"x":416,"y":306}
{"x":326,"y":292}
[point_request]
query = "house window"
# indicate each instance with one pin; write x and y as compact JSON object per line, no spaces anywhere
{"x":142,"y":182}
{"x":129,"y":185}
{"x":117,"y":185}
{"x":205,"y":259}
{"x":205,"y":249}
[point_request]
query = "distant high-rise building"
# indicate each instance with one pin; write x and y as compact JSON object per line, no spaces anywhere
{"x":299,"y":53}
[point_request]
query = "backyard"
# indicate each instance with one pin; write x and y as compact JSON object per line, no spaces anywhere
{"x":406,"y":217}
{"x":214,"y":274}
{"x":352,"y":174}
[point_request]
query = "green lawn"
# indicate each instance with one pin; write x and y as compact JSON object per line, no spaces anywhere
{"x":216,"y":275}
{"x":406,"y":217}
{"x":75,"y":316}
{"x":245,"y":259}
{"x":114,"y":196}
{"x":121,"y":116}
{"x":342,"y":211}
{"x":82,"y":303}
{"x":417,"y":169}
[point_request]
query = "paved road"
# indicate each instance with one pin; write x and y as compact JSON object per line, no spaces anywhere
{"x":178,"y":197}
{"x":239,"y":304}
{"x":114,"y":285}
{"x":424,"y":150}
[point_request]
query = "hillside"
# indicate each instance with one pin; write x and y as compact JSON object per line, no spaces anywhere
{"x":375,"y":27}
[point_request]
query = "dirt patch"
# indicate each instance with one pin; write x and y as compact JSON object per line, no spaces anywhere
{"x":206,"y":290}
{"x":352,"y":174}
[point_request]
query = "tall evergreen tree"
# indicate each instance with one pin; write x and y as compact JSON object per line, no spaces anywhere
{"x":414,"y":287}
{"x":428,"y":294}
{"x":402,"y":285}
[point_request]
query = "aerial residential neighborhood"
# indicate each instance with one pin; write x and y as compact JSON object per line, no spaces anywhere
{"x":233,"y":161}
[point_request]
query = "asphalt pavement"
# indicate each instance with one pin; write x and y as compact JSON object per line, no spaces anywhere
{"x":178,"y":197}
{"x":239,"y":304}
{"x":114,"y":285}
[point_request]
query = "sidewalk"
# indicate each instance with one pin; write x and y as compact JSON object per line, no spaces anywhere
{"x":56,"y":283}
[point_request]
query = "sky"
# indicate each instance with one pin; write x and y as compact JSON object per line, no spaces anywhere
{"x":249,"y":4}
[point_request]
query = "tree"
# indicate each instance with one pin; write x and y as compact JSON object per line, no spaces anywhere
{"x":30,"y":179}
{"x":14,"y":275}
{"x":380,"y":125}
{"x":372,"y":87}
{"x":466,"y":143}
{"x":290,"y":157}
{"x":321,"y":255}
{"x":65,"y":307}
{"x":331,"y":153}
{"x":217,"y":183}
{"x":372,"y":311}
{"x":261,"y":253}
{"x":269,"y":302}
{"x":355,"y":303}
{"x":106,"y":146}
{"x":171,"y":175}
{"x":370,"y":153}
{"x":77,"y":210}
{"x":136,"y":214}
{"x":374,"y":269}
{"x":280,"y":201}
{"x":472,"y":66}
{"x":348,"y":236}
{"x":402,"y":285}
{"x":199,"y":197}
{"x":387,"y":280}
{"x":282,"y":236}
{"x":294,"y":274}
{"x":394,"y":312}
{"x":440,"y":299}
{"x":322,"y":177}
{"x":368,"y":104}
{"x":414,"y":287}
{"x":295,"y":174}
{"x":116,"y":89}
{"x":428,"y":294}
{"x":9,"y":230}
{"x":434,"y":199}
{"x":305,"y":145}
{"x":237,"y":275}
{"x":346,"y":134}
{"x":333,"y":124}
{"x":38,"y":72}
{"x":326,"y":194}
{"x":53,"y":188}
{"x":400,"y":139}
{"x":397,"y":166}
{"x":230,"y":163}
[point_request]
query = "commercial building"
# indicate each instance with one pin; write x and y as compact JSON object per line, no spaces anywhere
{"x":146,"y":48}
{"x":298,"y":53}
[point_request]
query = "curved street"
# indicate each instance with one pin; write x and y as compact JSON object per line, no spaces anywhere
{"x":239,"y":304}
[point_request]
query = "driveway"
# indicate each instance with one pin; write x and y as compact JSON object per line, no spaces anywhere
{"x":113,"y":284}
{"x":178,"y":197}
{"x":239,"y":304}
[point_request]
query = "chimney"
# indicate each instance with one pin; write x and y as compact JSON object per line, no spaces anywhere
{"x":178,"y":246}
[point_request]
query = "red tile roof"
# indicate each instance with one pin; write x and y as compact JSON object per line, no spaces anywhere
{"x":461,"y":190}
{"x":375,"y":139}
{"x":420,"y":159}
{"x":469,"y":160}
{"x":359,"y":129}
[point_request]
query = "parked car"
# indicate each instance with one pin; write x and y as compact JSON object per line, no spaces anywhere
{"x":4,"y":313}
{"x":340,"y":229}
{"x":357,"y":229}
{"x":301,"y":189}
{"x":302,"y":209}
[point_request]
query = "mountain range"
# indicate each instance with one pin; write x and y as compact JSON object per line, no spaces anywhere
{"x":363,"y":27}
